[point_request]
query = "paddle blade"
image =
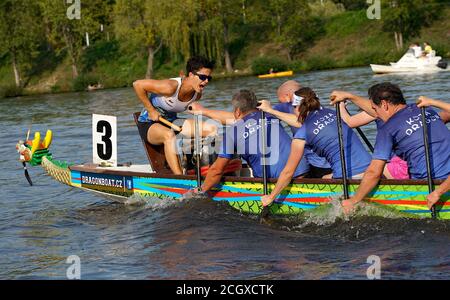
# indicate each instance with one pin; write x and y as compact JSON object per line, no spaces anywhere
{"x":27,"y":176}
{"x":433,"y":212}
{"x":265,"y":212}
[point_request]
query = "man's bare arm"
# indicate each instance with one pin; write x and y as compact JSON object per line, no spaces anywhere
{"x":360,"y":119}
{"x":370,"y":180}
{"x":290,"y":119}
{"x":222,"y":116}
{"x":363,"y":103}
{"x":215,"y":173}
{"x":425,"y":101}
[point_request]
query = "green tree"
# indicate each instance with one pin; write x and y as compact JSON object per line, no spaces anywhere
{"x":137,"y":24}
{"x":299,"y":33}
{"x":281,"y":11}
{"x":406,"y":18}
{"x":291,"y":23}
{"x":66,"y":34}
{"x":20,"y":33}
{"x":219,"y":23}
{"x":353,"y":4}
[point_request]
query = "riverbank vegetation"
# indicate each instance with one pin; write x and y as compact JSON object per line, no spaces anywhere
{"x":59,"y":47}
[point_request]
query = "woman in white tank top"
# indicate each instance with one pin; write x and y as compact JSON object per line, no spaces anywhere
{"x":166,"y":98}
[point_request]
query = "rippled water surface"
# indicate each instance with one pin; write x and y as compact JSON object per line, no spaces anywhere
{"x":41,"y":226}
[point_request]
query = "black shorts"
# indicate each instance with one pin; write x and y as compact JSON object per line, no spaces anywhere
{"x":316,"y":172}
{"x":143,"y":129}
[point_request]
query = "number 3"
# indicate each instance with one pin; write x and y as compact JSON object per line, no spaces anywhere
{"x":104,"y":151}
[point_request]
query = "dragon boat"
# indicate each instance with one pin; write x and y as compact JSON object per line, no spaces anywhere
{"x":240,"y":190}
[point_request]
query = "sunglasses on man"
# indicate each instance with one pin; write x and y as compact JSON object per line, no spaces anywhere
{"x":203,"y":77}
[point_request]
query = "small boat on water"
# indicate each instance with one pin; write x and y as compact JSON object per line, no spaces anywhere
{"x":277,"y":74}
{"x":409,"y":63}
{"x":126,"y":182}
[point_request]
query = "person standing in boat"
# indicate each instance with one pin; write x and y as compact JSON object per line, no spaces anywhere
{"x":319,"y":131}
{"x":166,"y":98}
{"x":244,"y":139}
{"x":285,"y":111}
{"x":402,"y":133}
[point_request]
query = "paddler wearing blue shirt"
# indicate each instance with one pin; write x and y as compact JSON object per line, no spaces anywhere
{"x":285,"y":111}
{"x":244,"y":138}
{"x":423,"y":101}
{"x":402,"y":132}
{"x":318,"y":166}
{"x":319,"y":131}
{"x":166,"y":98}
{"x":396,"y":168}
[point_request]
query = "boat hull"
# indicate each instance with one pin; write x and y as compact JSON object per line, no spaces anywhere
{"x":407,"y":196}
{"x":278,"y":74}
{"x":383,"y":69}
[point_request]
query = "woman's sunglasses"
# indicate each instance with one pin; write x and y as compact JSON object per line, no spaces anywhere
{"x":203,"y":77}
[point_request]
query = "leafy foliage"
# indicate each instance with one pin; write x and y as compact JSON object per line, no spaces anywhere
{"x":83,"y":81}
{"x":20,"y":35}
{"x":101,"y":50}
{"x":10,"y":91}
{"x":408,"y":17}
{"x":129,"y":36}
{"x":263,"y":65}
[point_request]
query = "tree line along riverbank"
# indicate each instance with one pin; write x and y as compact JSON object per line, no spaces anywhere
{"x":109,"y":47}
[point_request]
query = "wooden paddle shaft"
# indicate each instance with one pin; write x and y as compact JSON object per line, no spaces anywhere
{"x":170,"y":124}
{"x":427,"y":158}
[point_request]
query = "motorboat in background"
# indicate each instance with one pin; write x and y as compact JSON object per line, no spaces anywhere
{"x":409,"y":63}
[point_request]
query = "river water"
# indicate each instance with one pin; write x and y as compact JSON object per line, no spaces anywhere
{"x":41,"y":226}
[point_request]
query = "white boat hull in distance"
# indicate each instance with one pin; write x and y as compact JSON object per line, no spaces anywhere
{"x":411,"y":64}
{"x":383,"y":69}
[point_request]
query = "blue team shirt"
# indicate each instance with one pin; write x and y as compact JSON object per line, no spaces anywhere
{"x":310,"y":156}
{"x":403,"y":134}
{"x":321,"y":133}
{"x":243,"y":138}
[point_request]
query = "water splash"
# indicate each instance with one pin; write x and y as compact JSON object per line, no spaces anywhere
{"x":325,"y":214}
{"x":153,"y":203}
{"x":329,"y":214}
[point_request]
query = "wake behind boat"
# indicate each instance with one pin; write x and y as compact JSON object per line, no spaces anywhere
{"x":241,"y":190}
{"x":409,"y":63}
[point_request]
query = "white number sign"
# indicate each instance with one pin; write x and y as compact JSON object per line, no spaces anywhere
{"x":104,"y":139}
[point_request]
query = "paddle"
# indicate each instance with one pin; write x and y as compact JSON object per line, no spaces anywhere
{"x":364,"y":137}
{"x":170,"y":124}
{"x":197,"y":150}
{"x":266,"y":209}
{"x":27,"y":176}
{"x":341,"y":151}
{"x":427,"y":159}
